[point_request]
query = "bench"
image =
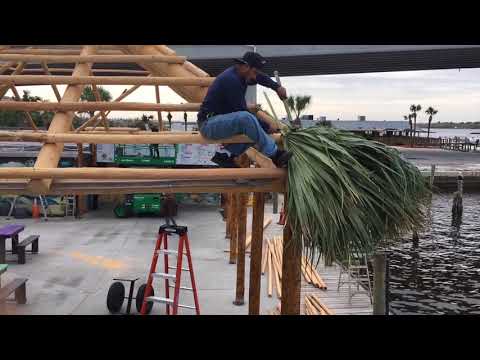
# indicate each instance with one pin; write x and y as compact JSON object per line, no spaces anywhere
{"x":19,"y":287}
{"x":20,"y":248}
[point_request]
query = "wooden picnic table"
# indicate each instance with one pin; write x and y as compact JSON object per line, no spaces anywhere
{"x":9,"y":231}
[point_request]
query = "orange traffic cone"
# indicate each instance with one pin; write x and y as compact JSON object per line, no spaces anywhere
{"x":35,"y":209}
{"x":282,"y":216}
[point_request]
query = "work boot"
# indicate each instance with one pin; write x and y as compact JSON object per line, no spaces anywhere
{"x":223,"y":160}
{"x":281,"y":157}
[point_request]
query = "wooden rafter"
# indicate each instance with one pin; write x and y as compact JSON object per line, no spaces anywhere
{"x":159,"y":113}
{"x":6,"y":87}
{"x":49,"y":154}
{"x":54,"y":86}
{"x":27,"y":114}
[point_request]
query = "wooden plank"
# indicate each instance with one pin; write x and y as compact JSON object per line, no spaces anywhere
{"x":103,"y":80}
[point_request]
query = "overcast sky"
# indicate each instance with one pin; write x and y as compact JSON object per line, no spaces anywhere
{"x":378,"y":96}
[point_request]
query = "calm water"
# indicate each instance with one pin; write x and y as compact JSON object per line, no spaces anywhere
{"x":452,"y":133}
{"x":441,"y":275}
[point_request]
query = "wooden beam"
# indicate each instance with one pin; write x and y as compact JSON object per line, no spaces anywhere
{"x":4,"y":88}
{"x":5,"y":67}
{"x":95,"y":106}
{"x":159,"y":113}
{"x":103,"y":80}
{"x":54,"y":87}
{"x":256,"y":254}
{"x":104,"y":59}
{"x":97,"y":72}
{"x":49,"y":155}
{"x":102,"y":113}
{"x":137,"y":174}
{"x":57,"y":51}
{"x":81,"y":187}
{"x":122,"y":96}
{"x":103,"y":138}
{"x":27,"y":114}
{"x":189,"y":93}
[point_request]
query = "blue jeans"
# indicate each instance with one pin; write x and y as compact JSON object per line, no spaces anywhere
{"x":239,"y":123}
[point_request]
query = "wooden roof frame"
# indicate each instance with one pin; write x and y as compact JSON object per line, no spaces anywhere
{"x":188,"y":81}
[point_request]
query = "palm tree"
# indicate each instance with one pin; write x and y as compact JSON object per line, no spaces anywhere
{"x":414,"y":109}
{"x":409,"y":118}
{"x":89,"y":95}
{"x":431,"y":112}
{"x":298,"y":104}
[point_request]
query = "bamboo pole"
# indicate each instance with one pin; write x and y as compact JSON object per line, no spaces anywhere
{"x":256,"y":254}
{"x":5,"y":67}
{"x":103,"y":80}
{"x":93,"y":58}
{"x":95,"y":106}
{"x":242,"y":232}
{"x":49,"y":155}
{"x":28,"y":115}
{"x":265,"y":225}
{"x":4,"y":88}
{"x":102,"y":113}
{"x":137,"y":174}
{"x":264,"y":258}
{"x":97,"y":72}
{"x":159,"y":113}
{"x":189,"y":93}
{"x":103,"y":138}
{"x":118,"y":99}
{"x":47,"y":72}
{"x":57,"y":51}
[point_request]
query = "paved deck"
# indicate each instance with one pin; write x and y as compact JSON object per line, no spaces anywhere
{"x":79,"y":258}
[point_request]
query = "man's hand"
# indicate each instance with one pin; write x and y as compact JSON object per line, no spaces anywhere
{"x":282,"y":92}
{"x":254,"y":108}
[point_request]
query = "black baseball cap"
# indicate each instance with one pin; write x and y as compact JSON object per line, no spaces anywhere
{"x":252,"y":59}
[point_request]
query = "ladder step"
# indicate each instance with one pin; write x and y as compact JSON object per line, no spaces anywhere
{"x":163,"y":300}
{"x":159,"y":299}
{"x":164,"y":275}
{"x":175,"y":268}
{"x":182,"y":287}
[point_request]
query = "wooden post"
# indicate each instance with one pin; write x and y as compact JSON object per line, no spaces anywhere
{"x":379,"y":284}
{"x":291,"y":273}
{"x":241,"y":240}
{"x":233,"y":228}
{"x":432,"y":175}
{"x":228,"y":215}
{"x":159,"y":113}
{"x":256,"y":254}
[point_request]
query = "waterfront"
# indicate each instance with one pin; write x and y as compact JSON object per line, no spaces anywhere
{"x":440,"y":275}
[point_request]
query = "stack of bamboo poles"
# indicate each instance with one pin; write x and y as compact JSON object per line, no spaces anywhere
{"x":311,"y":275}
{"x":313,"y":306}
{"x":272,"y":262}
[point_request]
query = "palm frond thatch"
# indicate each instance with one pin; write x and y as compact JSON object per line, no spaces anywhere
{"x":346,"y":194}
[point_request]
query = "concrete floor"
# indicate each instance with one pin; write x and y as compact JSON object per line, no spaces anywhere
{"x":78,"y":259}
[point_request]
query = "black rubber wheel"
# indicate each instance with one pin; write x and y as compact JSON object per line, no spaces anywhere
{"x":115,"y":297}
{"x":139,"y":298}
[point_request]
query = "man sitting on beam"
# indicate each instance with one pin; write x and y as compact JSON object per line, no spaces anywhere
{"x":224,"y":111}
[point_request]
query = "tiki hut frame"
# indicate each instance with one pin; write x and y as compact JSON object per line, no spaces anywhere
{"x":162,"y":67}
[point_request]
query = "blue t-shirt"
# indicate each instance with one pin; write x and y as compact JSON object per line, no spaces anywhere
{"x":227,"y":93}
